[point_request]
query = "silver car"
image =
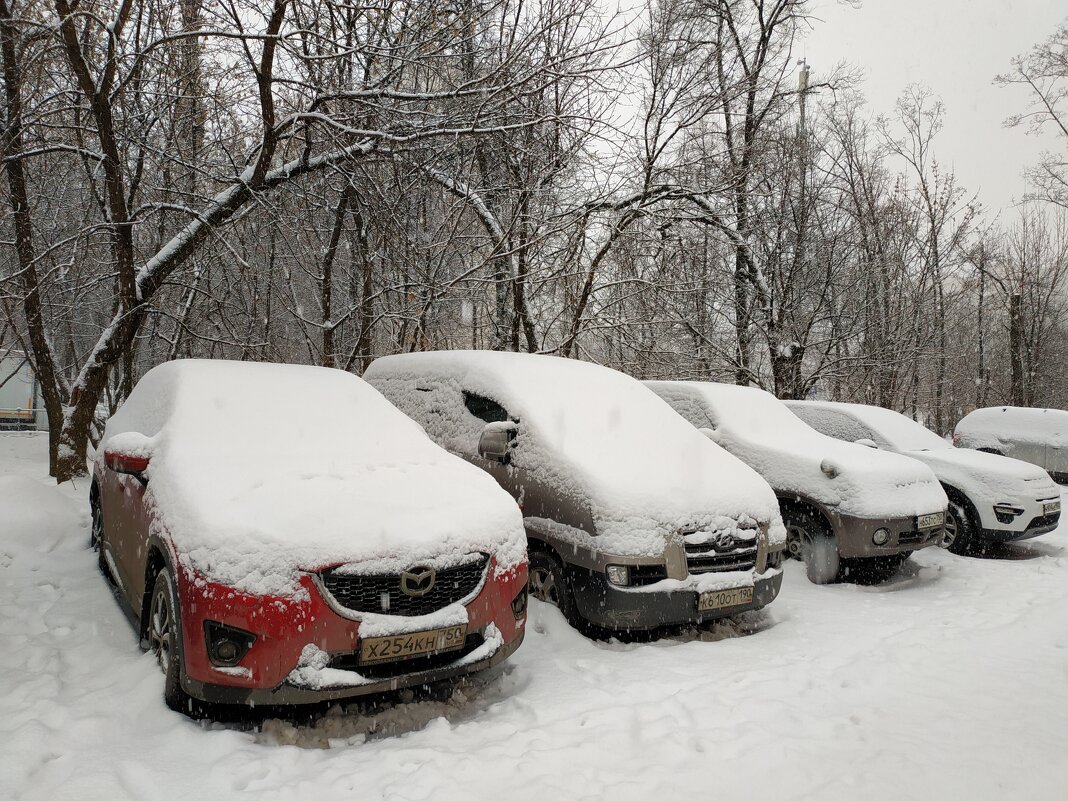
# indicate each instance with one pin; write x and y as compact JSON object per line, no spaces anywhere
{"x":1038,"y":436}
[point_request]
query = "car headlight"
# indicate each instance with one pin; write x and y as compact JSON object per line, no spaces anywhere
{"x":618,"y":575}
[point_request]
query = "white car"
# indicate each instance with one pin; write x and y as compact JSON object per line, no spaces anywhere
{"x":992,"y":498}
{"x":1038,"y":436}
{"x":849,"y":512}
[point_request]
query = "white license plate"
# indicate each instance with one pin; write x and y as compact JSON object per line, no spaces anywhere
{"x":406,"y":646}
{"x":724,"y":599}
{"x":932,"y":520}
{"x":1051,"y":507}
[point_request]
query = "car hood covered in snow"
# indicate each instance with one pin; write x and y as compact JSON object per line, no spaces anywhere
{"x":259,"y":471}
{"x":795,"y":458}
{"x":998,"y":477}
{"x":592,"y":433}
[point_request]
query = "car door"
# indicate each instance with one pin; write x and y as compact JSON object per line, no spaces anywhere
{"x":536,"y":496}
{"x":122,"y":500}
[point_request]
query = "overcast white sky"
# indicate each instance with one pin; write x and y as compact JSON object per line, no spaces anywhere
{"x":956,"y":47}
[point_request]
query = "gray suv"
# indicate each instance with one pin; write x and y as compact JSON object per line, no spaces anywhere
{"x":633,"y":519}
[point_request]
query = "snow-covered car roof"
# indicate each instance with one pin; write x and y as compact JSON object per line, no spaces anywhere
{"x":900,"y":432}
{"x":987,"y":427}
{"x":761,"y":430}
{"x":593,"y":429}
{"x":260,"y":470}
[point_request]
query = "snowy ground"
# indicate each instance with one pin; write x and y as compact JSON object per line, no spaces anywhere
{"x":950,"y":682}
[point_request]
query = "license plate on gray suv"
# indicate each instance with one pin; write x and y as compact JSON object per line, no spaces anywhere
{"x":932,"y":520}
{"x":724,"y":599}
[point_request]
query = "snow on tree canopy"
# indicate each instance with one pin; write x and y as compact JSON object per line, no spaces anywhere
{"x":592,"y":433}
{"x":761,"y":430}
{"x":260,"y":471}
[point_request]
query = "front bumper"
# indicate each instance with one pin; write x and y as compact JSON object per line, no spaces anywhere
{"x":854,"y":534}
{"x":284,"y":626}
{"x":290,"y":693}
{"x":1042,"y":524}
{"x":611,"y":607}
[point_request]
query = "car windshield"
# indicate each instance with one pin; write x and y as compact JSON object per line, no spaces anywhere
{"x":903,"y":433}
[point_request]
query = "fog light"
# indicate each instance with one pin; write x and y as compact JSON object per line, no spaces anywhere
{"x":1006,"y":512}
{"x":227,"y":645}
{"x":519,"y":604}
{"x":618,"y":575}
{"x":881,"y":536}
{"x":774,"y":560}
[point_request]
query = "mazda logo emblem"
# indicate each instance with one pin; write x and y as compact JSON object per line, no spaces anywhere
{"x":418,"y":581}
{"x":724,"y":542}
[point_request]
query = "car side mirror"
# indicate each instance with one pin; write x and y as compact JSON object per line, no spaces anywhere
{"x":128,"y":453}
{"x":497,"y":441}
{"x":867,"y":443}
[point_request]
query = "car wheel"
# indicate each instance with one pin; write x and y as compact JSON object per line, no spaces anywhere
{"x":808,"y":539}
{"x":164,"y":637}
{"x":98,"y":542}
{"x":546,"y":582}
{"x":963,"y":537}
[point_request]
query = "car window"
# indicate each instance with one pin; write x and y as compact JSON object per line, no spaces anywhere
{"x":834,"y":423}
{"x":692,"y":409}
{"x":485,"y":408}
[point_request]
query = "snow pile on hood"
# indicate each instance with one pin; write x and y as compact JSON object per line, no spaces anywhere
{"x":794,"y":458}
{"x":999,"y":427}
{"x":259,"y":471}
{"x":997,"y":477}
{"x":592,"y":433}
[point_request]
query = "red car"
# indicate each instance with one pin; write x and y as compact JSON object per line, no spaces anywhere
{"x":282,"y":534}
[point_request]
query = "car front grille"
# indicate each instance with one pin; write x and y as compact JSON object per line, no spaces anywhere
{"x":705,"y":557}
{"x":380,"y":593}
{"x":912,"y":537}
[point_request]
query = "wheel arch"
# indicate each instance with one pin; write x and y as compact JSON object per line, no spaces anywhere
{"x":157,"y":558}
{"x":961,"y":499}
{"x":795,"y":504}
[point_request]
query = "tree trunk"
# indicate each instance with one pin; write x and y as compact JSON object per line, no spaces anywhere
{"x":43,"y":357}
{"x":1016,"y":391}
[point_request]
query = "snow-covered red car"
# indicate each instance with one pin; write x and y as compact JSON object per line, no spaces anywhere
{"x":991,"y":498}
{"x":282,"y":534}
{"x":850,"y":511}
{"x":634,"y":520}
{"x":1038,"y":436}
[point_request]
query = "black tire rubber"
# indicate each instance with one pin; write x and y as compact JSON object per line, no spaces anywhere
{"x":966,"y":542}
{"x":544,"y":563}
{"x":165,"y":593}
{"x":97,"y":539}
{"x":823,"y":565}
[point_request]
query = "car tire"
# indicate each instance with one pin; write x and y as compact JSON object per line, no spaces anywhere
{"x":547,"y":582}
{"x":97,"y":539}
{"x":811,"y":540}
{"x":164,"y":638}
{"x":966,"y":542}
